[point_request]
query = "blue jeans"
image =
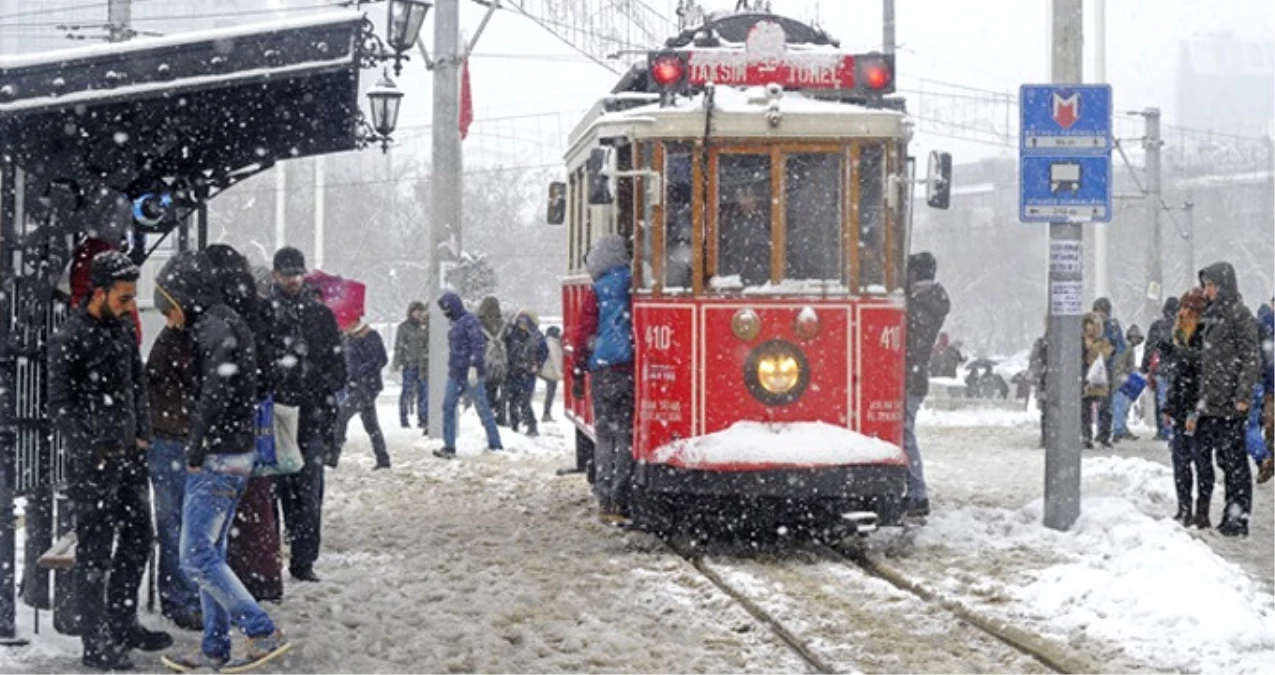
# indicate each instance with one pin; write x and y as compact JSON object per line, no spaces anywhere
{"x":916,"y":471}
{"x":415,"y":390}
{"x":212,"y":495}
{"x":1120,"y":414}
{"x":178,"y":595}
{"x":456,"y":388}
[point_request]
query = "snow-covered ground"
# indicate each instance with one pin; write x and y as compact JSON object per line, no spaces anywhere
{"x":491,"y":562}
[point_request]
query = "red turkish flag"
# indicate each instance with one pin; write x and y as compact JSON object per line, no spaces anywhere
{"x":466,"y":101}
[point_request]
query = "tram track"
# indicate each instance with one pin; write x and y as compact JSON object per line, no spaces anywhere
{"x":842,"y":610}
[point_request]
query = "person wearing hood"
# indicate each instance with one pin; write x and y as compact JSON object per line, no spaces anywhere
{"x":927,"y":309}
{"x":309,"y":371}
{"x":1160,"y":333}
{"x":466,"y":374}
{"x":411,"y":359}
{"x":364,"y":358}
{"x":604,"y":347}
{"x":527,"y":352}
{"x":252,"y":549}
{"x":220,"y":455}
{"x":493,"y":324}
{"x":1230,"y":365}
{"x":1122,"y":367}
{"x":98,"y":401}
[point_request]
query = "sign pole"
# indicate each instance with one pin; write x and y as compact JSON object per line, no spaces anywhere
{"x":1062,"y":410}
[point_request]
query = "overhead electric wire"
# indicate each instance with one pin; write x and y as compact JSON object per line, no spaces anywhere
{"x":518,"y":4}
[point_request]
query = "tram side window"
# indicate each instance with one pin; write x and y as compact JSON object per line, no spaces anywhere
{"x":743,"y":221}
{"x":677,"y":216}
{"x":644,"y":222}
{"x":813,"y":215}
{"x":871,"y":178}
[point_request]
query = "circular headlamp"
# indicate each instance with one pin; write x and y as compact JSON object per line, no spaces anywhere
{"x":776,"y":373}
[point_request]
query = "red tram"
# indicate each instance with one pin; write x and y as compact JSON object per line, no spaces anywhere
{"x":762,"y":178}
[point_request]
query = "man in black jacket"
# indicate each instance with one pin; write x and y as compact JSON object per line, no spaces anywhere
{"x":365,"y":357}
{"x":1153,"y":362}
{"x":1230,"y":364}
{"x":928,"y":305}
{"x":310,"y":370}
{"x":97,"y":398}
{"x":220,"y":455}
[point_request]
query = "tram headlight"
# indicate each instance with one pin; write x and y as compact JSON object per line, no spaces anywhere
{"x":745,"y":325}
{"x":776,"y":373}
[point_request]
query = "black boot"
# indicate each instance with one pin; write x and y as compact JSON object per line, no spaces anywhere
{"x":1184,"y":516}
{"x":1201,"y":519}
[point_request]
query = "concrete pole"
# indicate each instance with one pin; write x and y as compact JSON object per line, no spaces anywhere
{"x":1189,"y":207}
{"x":1101,"y":231}
{"x":119,"y":19}
{"x":1062,"y":409}
{"x":280,"y":206}
{"x":1151,"y":143}
{"x":445,"y":191}
{"x":320,"y":181}
{"x":887,"y":25}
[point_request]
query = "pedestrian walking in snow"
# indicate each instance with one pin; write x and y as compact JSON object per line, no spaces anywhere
{"x":1038,"y":371}
{"x":170,"y":374}
{"x":551,"y":371}
{"x":927,"y":309}
{"x":1160,"y":333}
{"x":252,"y":549}
{"x":364,"y":358}
{"x":1191,"y":467}
{"x":411,"y":359}
{"x":466,"y":374}
{"x":220,"y":456}
{"x":496,"y":360}
{"x":1230,"y":364}
{"x":1123,"y":366}
{"x":98,"y":400}
{"x":527,"y":352}
{"x":1097,"y":386}
{"x":1266,"y":325}
{"x":310,"y":370}
{"x":604,"y":347}
{"x":1114,"y":335}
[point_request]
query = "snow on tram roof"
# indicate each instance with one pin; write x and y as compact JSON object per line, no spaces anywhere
{"x":738,"y":111}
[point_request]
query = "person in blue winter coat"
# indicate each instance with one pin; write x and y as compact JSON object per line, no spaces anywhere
{"x":466,"y":374}
{"x":1260,"y":417}
{"x":1114,"y":334}
{"x":604,"y":346}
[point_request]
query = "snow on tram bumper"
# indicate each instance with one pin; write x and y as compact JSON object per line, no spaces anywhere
{"x":798,"y":460}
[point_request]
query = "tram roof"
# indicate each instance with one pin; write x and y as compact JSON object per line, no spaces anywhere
{"x":737,"y":113}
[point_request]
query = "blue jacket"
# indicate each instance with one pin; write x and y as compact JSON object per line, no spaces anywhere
{"x":466,"y":343}
{"x":1115,"y":335}
{"x":1266,"y":331}
{"x":614,"y":345}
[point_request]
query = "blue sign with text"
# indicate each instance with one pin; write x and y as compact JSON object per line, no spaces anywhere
{"x":1065,"y":153}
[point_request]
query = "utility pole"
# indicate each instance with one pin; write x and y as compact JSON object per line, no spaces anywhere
{"x":319,"y":184}
{"x":1062,"y":404}
{"x":445,"y":191}
{"x":119,"y":20}
{"x":1101,"y":231}
{"x":1151,"y":144}
{"x":887,"y":26}
{"x":1189,"y":207}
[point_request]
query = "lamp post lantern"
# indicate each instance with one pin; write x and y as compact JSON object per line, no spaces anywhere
{"x":404,"y":25}
{"x":384,"y":99}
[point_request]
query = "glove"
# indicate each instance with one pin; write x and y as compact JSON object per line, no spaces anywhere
{"x":473,"y":376}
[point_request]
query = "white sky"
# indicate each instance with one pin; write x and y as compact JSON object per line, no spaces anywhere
{"x":520,"y":69}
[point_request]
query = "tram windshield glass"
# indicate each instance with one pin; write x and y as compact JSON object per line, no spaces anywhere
{"x":744,"y":218}
{"x":812,"y":203}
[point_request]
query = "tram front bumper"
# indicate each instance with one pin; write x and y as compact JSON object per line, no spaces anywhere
{"x":854,"y":482}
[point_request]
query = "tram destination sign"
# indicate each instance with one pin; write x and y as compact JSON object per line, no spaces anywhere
{"x":824,"y":71}
{"x":1065,"y":153}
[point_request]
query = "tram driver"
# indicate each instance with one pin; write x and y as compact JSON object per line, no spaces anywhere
{"x":745,"y":235}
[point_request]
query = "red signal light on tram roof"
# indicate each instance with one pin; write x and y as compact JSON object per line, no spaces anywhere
{"x":668,"y":69}
{"x":875,"y":73}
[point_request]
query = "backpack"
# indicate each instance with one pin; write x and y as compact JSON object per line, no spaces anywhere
{"x":495,"y":358}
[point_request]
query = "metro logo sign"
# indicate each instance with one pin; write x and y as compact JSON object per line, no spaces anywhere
{"x":1066,"y":107}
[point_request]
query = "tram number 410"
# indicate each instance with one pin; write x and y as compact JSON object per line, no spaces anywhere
{"x":659,"y":337}
{"x":892,"y":338}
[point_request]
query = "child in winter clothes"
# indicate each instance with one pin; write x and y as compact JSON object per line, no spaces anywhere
{"x":1096,"y":389}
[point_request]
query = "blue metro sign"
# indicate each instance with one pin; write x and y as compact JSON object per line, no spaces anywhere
{"x":1065,"y":153}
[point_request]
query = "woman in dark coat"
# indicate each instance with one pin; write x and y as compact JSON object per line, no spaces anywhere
{"x":253,"y":546}
{"x":1182,"y":357}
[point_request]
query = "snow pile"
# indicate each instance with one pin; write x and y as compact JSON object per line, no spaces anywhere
{"x":1117,"y":576}
{"x":796,"y":443}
